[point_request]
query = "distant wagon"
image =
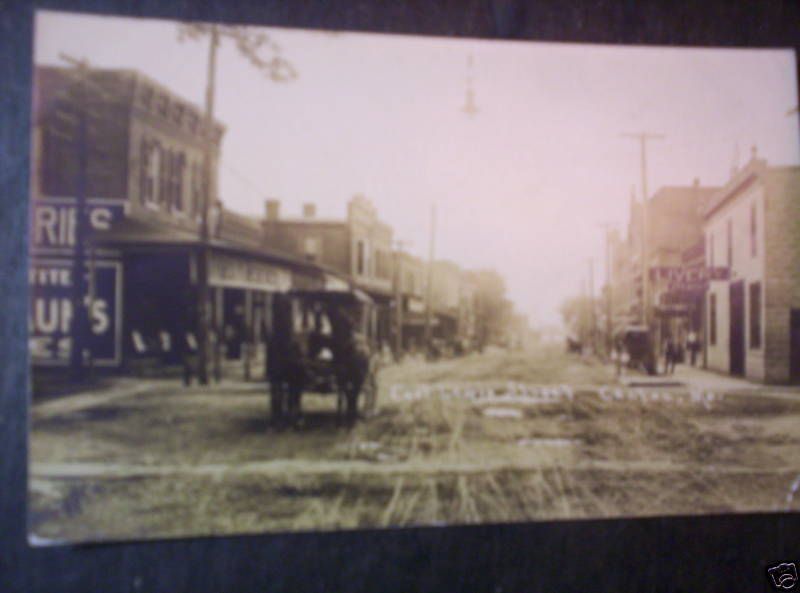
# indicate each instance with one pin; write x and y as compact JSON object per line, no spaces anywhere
{"x":574,"y":345}
{"x":636,"y":341}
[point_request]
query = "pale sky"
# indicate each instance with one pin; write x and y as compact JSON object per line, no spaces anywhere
{"x":523,"y":186}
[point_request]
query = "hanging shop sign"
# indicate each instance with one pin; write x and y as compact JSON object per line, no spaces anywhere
{"x":336,"y":284}
{"x":415,"y":305}
{"x":697,"y":274}
{"x":237,"y":272}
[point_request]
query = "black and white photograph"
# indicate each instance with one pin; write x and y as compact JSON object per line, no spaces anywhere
{"x":285,"y":280}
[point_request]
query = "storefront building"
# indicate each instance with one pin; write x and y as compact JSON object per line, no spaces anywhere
{"x":752,"y":227}
{"x":358,"y":247}
{"x":411,"y":293}
{"x":123,"y":241}
{"x":677,"y":278}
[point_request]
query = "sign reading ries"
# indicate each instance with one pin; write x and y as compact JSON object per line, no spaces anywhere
{"x":54,"y":221}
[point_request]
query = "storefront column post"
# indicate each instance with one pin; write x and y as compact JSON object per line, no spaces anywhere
{"x":248,"y":332}
{"x":218,"y":325}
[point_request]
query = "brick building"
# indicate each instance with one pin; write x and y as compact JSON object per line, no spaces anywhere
{"x":674,"y":228}
{"x":445,"y":300}
{"x":358,"y":246}
{"x":492,"y":309}
{"x":136,"y":251}
{"x":411,"y":275}
{"x":675,"y":224}
{"x":752,"y":227}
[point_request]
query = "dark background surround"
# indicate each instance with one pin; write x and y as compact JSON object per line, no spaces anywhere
{"x":719,"y":553}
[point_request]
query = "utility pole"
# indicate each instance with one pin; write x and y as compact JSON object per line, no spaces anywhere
{"x":429,"y":287}
{"x":398,"y":299}
{"x":76,"y":95}
{"x":583,"y":315}
{"x":592,"y":319}
{"x":80,"y":316}
{"x":607,"y":226}
{"x":279,"y":70}
{"x":642,"y":138}
{"x":203,"y":309}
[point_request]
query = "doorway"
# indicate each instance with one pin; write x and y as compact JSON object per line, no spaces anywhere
{"x":794,"y":351}
{"x":736,"y":295}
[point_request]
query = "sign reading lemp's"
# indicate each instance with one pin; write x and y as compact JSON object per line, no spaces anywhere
{"x":235,"y":272}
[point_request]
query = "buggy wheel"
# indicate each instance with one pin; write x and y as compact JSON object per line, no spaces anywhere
{"x":370,"y":391}
{"x":277,"y":401}
{"x":352,"y":406}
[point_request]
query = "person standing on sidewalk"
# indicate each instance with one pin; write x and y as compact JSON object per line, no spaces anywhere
{"x":670,"y":355}
{"x":693,"y":346}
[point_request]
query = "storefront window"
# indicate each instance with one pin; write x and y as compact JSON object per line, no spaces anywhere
{"x":150,"y":157}
{"x":361,"y":257}
{"x":165,"y":178}
{"x":712,"y":319}
{"x":311,"y":248}
{"x":711,"y":250}
{"x":755,"y":315}
{"x":730,"y":243}
{"x":178,"y":172}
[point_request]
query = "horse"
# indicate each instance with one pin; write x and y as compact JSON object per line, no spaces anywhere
{"x":286,"y":371}
{"x":352,"y":363}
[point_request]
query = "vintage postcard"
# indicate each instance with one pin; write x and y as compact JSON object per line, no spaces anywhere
{"x":287,"y":280}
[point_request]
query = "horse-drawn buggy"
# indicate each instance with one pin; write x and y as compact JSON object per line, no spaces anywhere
{"x":322,"y":342}
{"x":635,"y":342}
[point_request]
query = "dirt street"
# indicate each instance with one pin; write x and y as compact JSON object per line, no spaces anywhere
{"x":548,"y":437}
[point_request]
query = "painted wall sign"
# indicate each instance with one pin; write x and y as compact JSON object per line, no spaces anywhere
{"x":54,"y":222}
{"x":51,"y":312}
{"x":235,"y":272}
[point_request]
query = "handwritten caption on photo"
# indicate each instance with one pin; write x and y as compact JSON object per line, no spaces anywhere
{"x":522,"y":393}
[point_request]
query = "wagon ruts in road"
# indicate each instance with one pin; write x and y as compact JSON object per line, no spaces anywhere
{"x":322,"y":342}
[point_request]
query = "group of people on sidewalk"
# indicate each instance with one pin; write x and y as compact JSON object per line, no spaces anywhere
{"x":635,"y":349}
{"x":674,"y":351}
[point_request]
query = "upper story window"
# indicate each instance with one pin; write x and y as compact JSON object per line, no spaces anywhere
{"x":177,"y":113}
{"x":162,"y":104}
{"x":755,"y":315}
{"x":410,"y":285}
{"x":195,"y":189}
{"x":193,"y":122}
{"x":712,"y":319}
{"x":361,"y":257}
{"x":165,"y":178}
{"x":753,"y":231}
{"x":150,"y":161}
{"x":711,"y":250}
{"x":383,"y":264}
{"x":162,"y":177}
{"x":311,"y":248}
{"x":175,"y":162}
{"x":729,"y":238}
{"x":147,"y":96}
